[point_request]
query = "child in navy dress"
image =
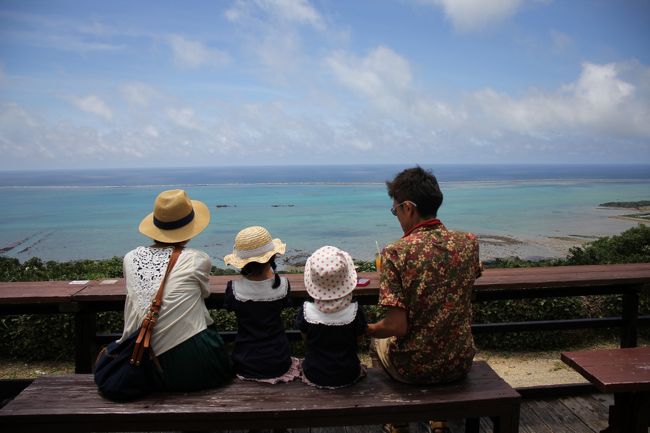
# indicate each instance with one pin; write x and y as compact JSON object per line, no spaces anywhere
{"x":261,"y":351}
{"x":332,"y":325}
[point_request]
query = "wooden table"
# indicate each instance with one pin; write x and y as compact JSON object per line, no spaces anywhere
{"x":624,"y":372}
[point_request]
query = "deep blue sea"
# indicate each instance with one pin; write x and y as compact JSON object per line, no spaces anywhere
{"x":64,"y":215}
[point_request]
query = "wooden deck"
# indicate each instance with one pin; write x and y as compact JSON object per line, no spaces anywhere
{"x":582,"y":414}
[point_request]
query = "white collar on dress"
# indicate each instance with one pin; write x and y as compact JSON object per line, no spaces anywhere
{"x":316,"y":317}
{"x":260,"y":291}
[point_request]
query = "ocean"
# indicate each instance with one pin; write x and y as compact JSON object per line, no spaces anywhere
{"x":531,"y":211}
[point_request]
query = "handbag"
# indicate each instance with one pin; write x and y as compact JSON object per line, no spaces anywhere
{"x":127,"y":370}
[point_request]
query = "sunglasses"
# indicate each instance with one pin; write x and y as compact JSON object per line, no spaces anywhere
{"x":393,"y":210}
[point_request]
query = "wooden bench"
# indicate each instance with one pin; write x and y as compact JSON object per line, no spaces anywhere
{"x":71,"y":404}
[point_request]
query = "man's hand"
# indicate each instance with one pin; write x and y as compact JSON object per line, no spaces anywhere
{"x":395,"y":324}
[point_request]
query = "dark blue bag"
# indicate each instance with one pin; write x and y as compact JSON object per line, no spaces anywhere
{"x":120,"y":380}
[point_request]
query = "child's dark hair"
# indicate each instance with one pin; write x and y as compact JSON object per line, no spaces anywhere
{"x":256,"y":268}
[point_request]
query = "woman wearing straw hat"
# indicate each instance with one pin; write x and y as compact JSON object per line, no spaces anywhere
{"x":190,"y":351}
{"x":262,"y":351}
{"x":332,"y":325}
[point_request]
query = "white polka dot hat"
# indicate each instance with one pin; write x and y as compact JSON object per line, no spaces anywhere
{"x":330,"y":274}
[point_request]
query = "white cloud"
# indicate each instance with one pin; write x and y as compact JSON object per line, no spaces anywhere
{"x":273,"y":31}
{"x":183,"y":117}
{"x":151,"y":131}
{"x":94,"y":105}
{"x":280,"y":54}
{"x":474,"y":15}
{"x":599,"y":100}
{"x":191,"y":54}
{"x":12,"y":114}
{"x":609,"y":98}
{"x":296,"y":11}
{"x":138,"y":94}
{"x":382,"y":76}
{"x":606,"y":104}
{"x":384,"y":80}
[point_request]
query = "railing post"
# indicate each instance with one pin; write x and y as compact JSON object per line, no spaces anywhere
{"x":630,"y":316}
{"x":85,"y":329}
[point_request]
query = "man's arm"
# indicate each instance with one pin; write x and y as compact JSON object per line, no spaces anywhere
{"x":395,"y":324}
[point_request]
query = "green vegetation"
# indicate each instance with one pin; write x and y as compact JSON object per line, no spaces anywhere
{"x":50,"y":336}
{"x":626,"y":204}
{"x":35,"y":269}
{"x":631,"y":246}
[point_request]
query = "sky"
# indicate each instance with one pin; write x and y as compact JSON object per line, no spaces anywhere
{"x":86,"y":84}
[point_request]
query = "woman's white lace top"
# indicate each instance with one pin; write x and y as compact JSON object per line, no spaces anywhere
{"x":183,"y":313}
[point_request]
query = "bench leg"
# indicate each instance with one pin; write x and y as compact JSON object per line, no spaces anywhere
{"x":472,"y":425}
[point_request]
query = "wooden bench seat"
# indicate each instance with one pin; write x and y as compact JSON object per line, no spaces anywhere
{"x":71,"y":404}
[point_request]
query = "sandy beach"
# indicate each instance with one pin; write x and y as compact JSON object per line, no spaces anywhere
{"x":539,"y":247}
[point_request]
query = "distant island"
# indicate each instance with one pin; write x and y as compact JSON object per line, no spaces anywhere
{"x":642,"y":205}
{"x":627,"y":204}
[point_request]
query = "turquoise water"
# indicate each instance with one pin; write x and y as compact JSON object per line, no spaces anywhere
{"x":64,"y":223}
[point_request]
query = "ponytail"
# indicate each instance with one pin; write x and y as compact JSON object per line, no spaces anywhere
{"x":276,"y":278}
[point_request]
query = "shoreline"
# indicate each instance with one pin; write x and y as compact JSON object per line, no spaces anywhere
{"x":491,"y":247}
{"x":551,"y":243}
{"x":540,"y":248}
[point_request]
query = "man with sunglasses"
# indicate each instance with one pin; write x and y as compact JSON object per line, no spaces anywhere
{"x":425,"y":284}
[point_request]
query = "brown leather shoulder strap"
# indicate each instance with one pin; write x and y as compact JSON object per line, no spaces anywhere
{"x":172,"y":261}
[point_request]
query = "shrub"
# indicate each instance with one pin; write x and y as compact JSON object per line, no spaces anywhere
{"x":631,"y":246}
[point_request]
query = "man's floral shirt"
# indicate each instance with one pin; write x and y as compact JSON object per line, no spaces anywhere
{"x":430,"y":273}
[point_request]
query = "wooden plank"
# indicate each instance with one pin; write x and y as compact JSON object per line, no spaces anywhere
{"x":590,"y":271}
{"x":558,"y":417}
{"x":376,"y":428}
{"x":613,"y":370}
{"x":491,"y":280}
{"x":327,"y":429}
{"x":591,"y":410}
{"x":564,"y":276}
{"x":531,"y":421}
{"x":377,"y":399}
{"x":38,"y":292}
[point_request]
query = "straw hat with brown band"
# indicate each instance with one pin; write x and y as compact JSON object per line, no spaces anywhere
{"x":175,"y":218}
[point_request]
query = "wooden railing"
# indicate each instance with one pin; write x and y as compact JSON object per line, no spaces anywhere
{"x":85,"y":299}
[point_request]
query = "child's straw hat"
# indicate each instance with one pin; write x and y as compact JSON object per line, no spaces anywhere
{"x":253,"y":244}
